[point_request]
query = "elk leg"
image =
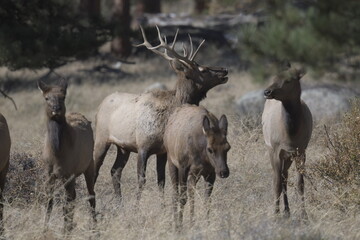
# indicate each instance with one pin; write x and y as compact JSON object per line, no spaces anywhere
{"x":2,"y":185}
{"x":69,"y":206}
{"x":277,"y":179}
{"x":286,"y":202}
{"x":301,"y":186}
{"x":116,"y":170}
{"x":49,"y":193}
{"x":209,"y":181}
{"x":141,"y":169}
{"x":100,"y":150}
{"x":174,"y":176}
{"x":193,"y":179}
{"x":90,"y":181}
{"x":160,"y":168}
{"x":183,"y":175}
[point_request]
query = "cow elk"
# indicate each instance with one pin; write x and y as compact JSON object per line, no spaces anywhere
{"x":5,"y":144}
{"x":136,"y":122}
{"x":196,"y":146}
{"x":287,"y":128}
{"x":68,"y":150}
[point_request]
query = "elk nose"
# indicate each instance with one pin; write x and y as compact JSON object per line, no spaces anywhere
{"x":224,"y":174}
{"x":56,"y":108}
{"x":267,"y":92}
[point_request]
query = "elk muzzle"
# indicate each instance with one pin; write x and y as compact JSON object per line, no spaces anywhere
{"x":220,"y":72}
{"x":224,"y":173}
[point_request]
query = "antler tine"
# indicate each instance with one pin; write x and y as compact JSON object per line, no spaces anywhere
{"x":184,"y":50}
{"x":174,"y":41}
{"x":152,"y":48}
{"x":145,"y":43}
{"x":163,"y":44}
{"x":197,"y":50}
{"x":191,"y":46}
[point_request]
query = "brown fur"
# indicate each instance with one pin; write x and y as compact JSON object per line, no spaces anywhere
{"x":5,"y":144}
{"x":196,"y":146}
{"x":287,"y":128}
{"x":136,"y":123}
{"x":68,"y":149}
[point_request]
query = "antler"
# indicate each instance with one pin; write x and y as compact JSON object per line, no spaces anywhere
{"x":187,"y":59}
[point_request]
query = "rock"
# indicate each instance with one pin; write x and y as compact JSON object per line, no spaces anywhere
{"x":156,"y":85}
{"x":251,"y":103}
{"x":324,"y":101}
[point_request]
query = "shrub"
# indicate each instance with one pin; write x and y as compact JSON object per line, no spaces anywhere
{"x":340,"y":167}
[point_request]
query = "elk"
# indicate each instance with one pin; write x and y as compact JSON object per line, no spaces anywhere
{"x":287,"y":128}
{"x":68,"y":150}
{"x":5,"y":144}
{"x":136,"y":122}
{"x":196,"y":145}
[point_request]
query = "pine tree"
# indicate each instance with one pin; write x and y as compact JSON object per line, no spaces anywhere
{"x":46,"y":33}
{"x":321,"y":34}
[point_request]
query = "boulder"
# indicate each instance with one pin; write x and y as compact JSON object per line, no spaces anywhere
{"x":324,"y":101}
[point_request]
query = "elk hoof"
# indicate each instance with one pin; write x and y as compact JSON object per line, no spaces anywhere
{"x":287,"y":214}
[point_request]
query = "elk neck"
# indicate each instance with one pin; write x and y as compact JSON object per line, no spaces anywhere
{"x":186,"y":91}
{"x":292,"y":114}
{"x":56,"y":129}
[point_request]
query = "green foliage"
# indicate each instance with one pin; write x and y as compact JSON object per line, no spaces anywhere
{"x":323,"y":35}
{"x":45,"y":33}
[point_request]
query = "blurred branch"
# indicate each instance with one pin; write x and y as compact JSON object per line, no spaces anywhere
{"x":10,"y":98}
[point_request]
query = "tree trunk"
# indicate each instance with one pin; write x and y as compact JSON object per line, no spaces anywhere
{"x":120,"y":45}
{"x":201,"y":6}
{"x":148,"y":6}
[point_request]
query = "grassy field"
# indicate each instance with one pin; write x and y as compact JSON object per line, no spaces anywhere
{"x":242,"y":205}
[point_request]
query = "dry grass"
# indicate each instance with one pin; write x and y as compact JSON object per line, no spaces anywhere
{"x":242,"y":205}
{"x":340,"y":167}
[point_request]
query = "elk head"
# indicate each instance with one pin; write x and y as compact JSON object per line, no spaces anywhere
{"x":55,"y":99}
{"x":286,"y":85}
{"x":217,"y":145}
{"x":202,"y":77}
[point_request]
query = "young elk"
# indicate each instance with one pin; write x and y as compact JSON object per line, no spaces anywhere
{"x":68,"y":150}
{"x":136,"y":122}
{"x":196,"y":146}
{"x":287,"y":127}
{"x":5,"y":144}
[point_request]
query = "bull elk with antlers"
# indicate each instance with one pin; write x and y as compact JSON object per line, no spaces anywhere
{"x":136,"y":122}
{"x":287,"y":128}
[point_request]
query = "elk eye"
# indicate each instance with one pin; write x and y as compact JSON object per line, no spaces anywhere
{"x":210,"y":151}
{"x":46,"y":98}
{"x":202,"y":69}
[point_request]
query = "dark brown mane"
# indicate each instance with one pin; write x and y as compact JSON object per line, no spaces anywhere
{"x":55,"y":130}
{"x":186,"y":91}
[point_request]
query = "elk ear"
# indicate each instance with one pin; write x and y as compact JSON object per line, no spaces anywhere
{"x":177,"y":66}
{"x":300,"y":72}
{"x":63,"y":83}
{"x":44,"y":88}
{"x":223,"y":124}
{"x":206,"y":125}
{"x":283,"y":65}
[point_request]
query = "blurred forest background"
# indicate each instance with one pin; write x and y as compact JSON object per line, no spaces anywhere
{"x":323,"y":35}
